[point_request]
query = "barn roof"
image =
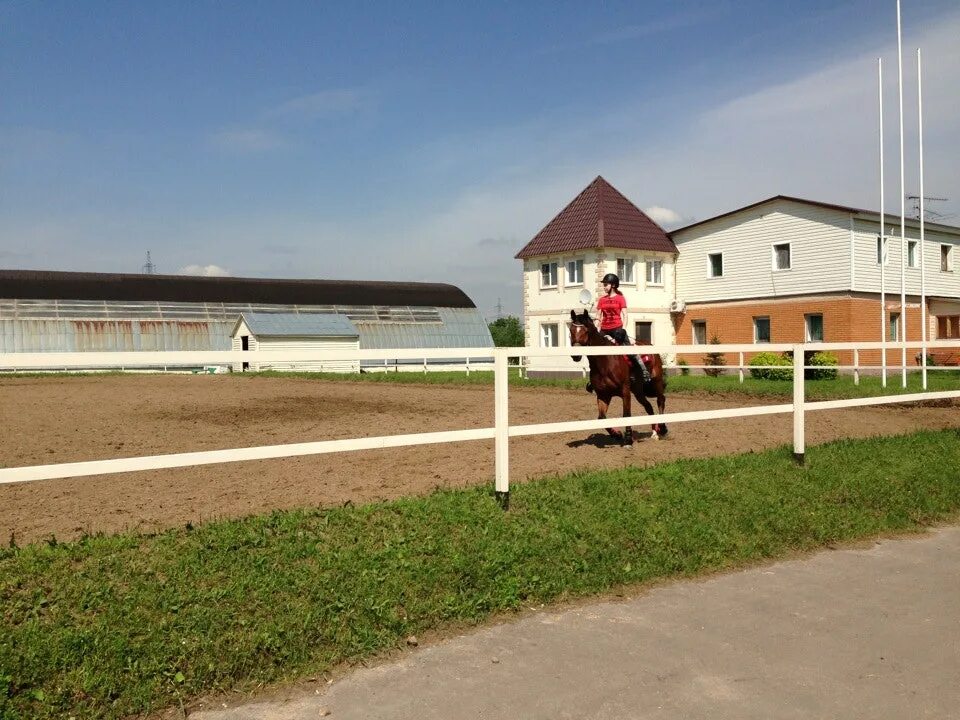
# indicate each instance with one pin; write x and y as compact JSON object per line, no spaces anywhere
{"x":298,"y":325}
{"x":51,"y":285}
{"x":599,"y":217}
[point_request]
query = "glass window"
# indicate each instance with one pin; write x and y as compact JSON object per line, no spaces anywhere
{"x":761,"y":329}
{"x":625,"y":270}
{"x":781,"y":256}
{"x":882,"y":250}
{"x":654,"y":272}
{"x":911,"y":253}
{"x":549,"y":335}
{"x":946,"y":259}
{"x":643,"y":332}
{"x":948,"y":327}
{"x":814,"y":327}
{"x":715,"y":265}
{"x":699,"y":332}
{"x":548,"y":275}
{"x":574,"y":272}
{"x":894,"y":332}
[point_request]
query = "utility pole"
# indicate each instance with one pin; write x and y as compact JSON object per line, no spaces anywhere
{"x":499,"y":309}
{"x":149,"y":268}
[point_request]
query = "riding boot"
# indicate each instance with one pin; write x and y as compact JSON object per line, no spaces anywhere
{"x":643,"y":368}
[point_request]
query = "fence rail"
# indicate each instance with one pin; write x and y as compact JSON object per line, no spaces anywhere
{"x":500,"y":432}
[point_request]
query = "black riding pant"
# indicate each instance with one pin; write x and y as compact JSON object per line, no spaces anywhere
{"x":618,"y":334}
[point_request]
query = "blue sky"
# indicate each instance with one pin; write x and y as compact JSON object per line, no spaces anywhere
{"x":430,"y":142}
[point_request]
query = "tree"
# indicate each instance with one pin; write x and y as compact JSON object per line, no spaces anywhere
{"x":715,"y":360}
{"x":507,"y":332}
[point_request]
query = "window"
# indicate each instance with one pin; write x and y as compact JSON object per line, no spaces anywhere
{"x":911,"y":253}
{"x":699,"y":332}
{"x":643,"y":332}
{"x":948,"y":327}
{"x":548,"y":275}
{"x":946,"y":258}
{"x":761,"y":329}
{"x":654,"y":272}
{"x":781,"y":256}
{"x":574,"y":272}
{"x":625,"y":270}
{"x":894,"y":332}
{"x":715,"y":265}
{"x":549,"y":335}
{"x":886,"y":255}
{"x":814,"y":327}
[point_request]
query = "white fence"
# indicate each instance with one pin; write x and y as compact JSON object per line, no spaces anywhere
{"x":500,"y":432}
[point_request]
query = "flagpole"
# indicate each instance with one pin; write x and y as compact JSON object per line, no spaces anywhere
{"x":882,"y":240}
{"x":923,"y":266}
{"x":903,"y":213}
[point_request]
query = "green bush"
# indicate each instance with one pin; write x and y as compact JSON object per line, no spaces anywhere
{"x":684,"y":370}
{"x":714,"y":360}
{"x":769,"y":358}
{"x":825,"y":366}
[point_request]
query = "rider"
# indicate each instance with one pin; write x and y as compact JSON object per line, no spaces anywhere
{"x":612,"y":307}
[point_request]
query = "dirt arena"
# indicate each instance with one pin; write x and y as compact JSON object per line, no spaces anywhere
{"x":66,"y":419}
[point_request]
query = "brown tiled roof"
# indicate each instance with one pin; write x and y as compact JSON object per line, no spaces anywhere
{"x":599,"y":217}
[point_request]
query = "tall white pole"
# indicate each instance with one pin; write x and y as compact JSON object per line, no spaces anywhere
{"x":923,"y":265}
{"x":903,"y":216}
{"x":883,"y":242}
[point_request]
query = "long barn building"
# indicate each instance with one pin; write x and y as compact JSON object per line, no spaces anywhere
{"x":44,"y":311}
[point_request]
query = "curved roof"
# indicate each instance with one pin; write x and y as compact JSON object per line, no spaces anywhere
{"x":51,"y":285}
{"x":598,"y":217}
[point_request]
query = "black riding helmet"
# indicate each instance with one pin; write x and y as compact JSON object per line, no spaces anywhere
{"x":611,"y":279}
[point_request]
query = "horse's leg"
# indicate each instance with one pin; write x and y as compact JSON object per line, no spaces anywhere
{"x":625,"y":395}
{"x":661,"y":404}
{"x":649,"y":408}
{"x":603,"y":402}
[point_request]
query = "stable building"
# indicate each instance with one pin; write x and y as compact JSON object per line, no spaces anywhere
{"x":292,"y":331}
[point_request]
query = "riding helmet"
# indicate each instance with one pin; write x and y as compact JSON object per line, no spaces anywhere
{"x":611,"y":279}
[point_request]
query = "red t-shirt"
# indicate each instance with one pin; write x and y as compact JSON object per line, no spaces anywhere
{"x":609,"y":308}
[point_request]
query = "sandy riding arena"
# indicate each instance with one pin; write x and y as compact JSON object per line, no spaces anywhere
{"x":64,"y":419}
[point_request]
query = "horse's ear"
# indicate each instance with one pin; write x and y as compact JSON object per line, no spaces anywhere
{"x":573,"y":315}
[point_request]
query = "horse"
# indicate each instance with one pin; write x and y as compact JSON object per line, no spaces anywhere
{"x":611,"y":376}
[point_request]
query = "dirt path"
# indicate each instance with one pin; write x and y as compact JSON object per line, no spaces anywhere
{"x":64,"y":419}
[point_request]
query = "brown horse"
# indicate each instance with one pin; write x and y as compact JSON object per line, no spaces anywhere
{"x":611,"y":376}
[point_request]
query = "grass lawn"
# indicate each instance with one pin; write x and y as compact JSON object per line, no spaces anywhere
{"x":109,"y":626}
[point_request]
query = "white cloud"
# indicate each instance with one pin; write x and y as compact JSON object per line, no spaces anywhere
{"x":204,"y":270}
{"x":247,"y":140}
{"x":321,"y":104}
{"x":663,"y":216}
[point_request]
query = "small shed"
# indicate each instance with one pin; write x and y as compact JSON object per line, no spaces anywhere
{"x":296,"y":331}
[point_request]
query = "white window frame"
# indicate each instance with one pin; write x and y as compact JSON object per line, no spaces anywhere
{"x":651,"y":263}
{"x":756,"y":335}
{"x":806,"y":327}
{"x":949,"y":267}
{"x":556,"y":275}
{"x":545,"y":339}
{"x":694,"y":324}
{"x":773,"y":259}
{"x":710,"y":275}
{"x":913,"y":258}
{"x":576,"y":264}
{"x":624,"y":265}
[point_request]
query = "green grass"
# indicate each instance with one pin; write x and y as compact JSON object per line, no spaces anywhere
{"x":109,"y":626}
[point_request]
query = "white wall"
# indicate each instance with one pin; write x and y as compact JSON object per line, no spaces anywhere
{"x":310,"y":343}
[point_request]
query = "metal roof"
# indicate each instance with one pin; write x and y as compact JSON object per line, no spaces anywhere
{"x":51,"y":285}
{"x":297,"y":325}
{"x":599,"y":217}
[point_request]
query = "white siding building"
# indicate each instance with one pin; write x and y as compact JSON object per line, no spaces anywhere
{"x":290,"y":331}
{"x":599,"y":232}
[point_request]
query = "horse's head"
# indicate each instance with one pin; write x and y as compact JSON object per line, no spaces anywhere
{"x":580,"y":327}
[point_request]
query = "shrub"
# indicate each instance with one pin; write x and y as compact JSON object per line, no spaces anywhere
{"x":715,"y":360}
{"x":824,"y":366}
{"x":684,"y":370}
{"x":770,"y":358}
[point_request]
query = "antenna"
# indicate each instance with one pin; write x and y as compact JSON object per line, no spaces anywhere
{"x":499,"y":309}
{"x":149,"y":268}
{"x":916,"y":204}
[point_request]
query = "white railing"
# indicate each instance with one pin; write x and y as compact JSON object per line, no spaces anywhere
{"x":501,"y":431}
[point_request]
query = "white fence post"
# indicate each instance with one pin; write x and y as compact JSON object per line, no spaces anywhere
{"x":798,"y":403}
{"x":741,"y":368}
{"x":501,"y":438}
{"x":856,"y":367}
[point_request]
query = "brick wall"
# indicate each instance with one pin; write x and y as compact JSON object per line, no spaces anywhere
{"x":845,"y":319}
